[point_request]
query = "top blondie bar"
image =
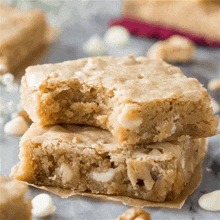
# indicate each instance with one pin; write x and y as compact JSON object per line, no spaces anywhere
{"x":138,"y":100}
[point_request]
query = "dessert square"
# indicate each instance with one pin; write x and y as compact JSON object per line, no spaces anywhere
{"x":138,"y":100}
{"x":90,"y":159}
{"x":199,"y":20}
{"x":12,"y":200}
{"x":21,"y":33}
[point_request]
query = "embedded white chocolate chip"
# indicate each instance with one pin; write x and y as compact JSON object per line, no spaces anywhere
{"x":94,"y":46}
{"x":103,"y":177}
{"x":42,"y":205}
{"x":117,"y":36}
{"x":128,"y":117}
{"x":67,"y":173}
{"x":17,"y":126}
{"x":210,"y":201}
{"x":214,"y":84}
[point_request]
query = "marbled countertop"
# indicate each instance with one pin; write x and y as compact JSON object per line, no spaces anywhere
{"x":68,"y":47}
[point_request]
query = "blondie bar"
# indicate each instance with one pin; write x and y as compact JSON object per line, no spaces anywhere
{"x":20,"y":35}
{"x":194,"y":17}
{"x":12,"y":202}
{"x":90,"y":159}
{"x":138,"y":100}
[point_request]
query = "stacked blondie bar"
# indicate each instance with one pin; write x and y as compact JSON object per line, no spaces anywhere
{"x":126,"y":126}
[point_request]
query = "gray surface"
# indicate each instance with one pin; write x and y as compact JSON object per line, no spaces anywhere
{"x":68,"y":47}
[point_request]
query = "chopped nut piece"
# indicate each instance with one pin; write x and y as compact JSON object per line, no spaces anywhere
{"x":17,"y":126}
{"x":214,"y":84}
{"x":174,"y":49}
{"x":42,"y":205}
{"x":210,"y":201}
{"x":135,"y":213}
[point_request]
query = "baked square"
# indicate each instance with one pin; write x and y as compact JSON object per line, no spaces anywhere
{"x":90,"y":159}
{"x":12,"y":200}
{"x":192,"y":18}
{"x":21,"y":33}
{"x":137,"y":100}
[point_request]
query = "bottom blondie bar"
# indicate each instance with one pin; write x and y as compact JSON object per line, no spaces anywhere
{"x":12,"y":203}
{"x":89,"y":159}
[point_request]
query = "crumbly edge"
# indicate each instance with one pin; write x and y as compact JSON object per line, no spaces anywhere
{"x":159,"y":120}
{"x":59,"y":163}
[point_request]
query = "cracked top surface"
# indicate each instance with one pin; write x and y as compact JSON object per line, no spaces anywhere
{"x":137,"y":80}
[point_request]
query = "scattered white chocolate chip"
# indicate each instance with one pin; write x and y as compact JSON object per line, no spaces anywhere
{"x":214,"y":84}
{"x":105,"y":176}
{"x":7,"y":78}
{"x":42,"y":205}
{"x":117,"y":36}
{"x":215,"y":106}
{"x":17,"y":126}
{"x":94,"y":46}
{"x":210,"y":201}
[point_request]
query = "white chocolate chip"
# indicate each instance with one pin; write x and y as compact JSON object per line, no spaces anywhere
{"x":215,"y":106}
{"x":128,"y":117}
{"x":94,"y":46}
{"x":7,"y":78}
{"x":42,"y":205}
{"x":17,"y":126}
{"x":210,"y":201}
{"x":117,"y":36}
{"x":103,"y":177}
{"x":67,"y":173}
{"x":214,"y":84}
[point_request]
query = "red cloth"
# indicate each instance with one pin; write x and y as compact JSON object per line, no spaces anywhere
{"x":146,"y":30}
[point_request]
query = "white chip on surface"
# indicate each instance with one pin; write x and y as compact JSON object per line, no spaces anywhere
{"x":7,"y":78}
{"x":117,"y":36}
{"x":94,"y":46}
{"x":42,"y":205}
{"x":210,"y":201}
{"x":17,"y":126}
